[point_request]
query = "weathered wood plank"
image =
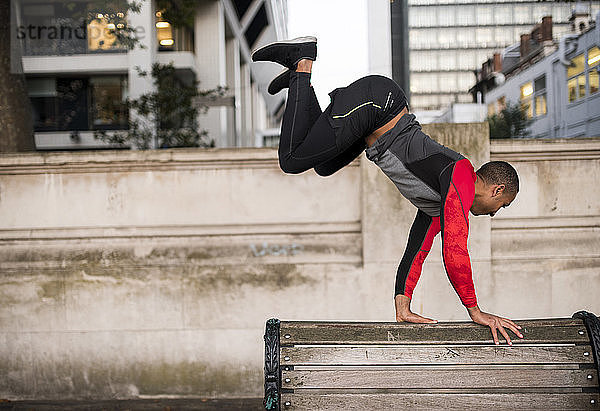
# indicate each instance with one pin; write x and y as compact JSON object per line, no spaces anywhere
{"x":534,"y":331}
{"x":303,"y":401}
{"x":440,"y":378}
{"x":435,"y":355}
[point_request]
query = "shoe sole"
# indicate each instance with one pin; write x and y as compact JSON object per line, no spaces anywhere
{"x":297,"y":40}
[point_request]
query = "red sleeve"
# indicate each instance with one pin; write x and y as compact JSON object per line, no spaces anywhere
{"x":455,"y":231}
{"x":419,"y":259}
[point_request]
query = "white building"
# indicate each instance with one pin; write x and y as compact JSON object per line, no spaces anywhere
{"x":67,"y":76}
{"x":561,"y":90}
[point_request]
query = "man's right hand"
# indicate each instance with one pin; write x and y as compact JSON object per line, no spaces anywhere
{"x":403,"y":312}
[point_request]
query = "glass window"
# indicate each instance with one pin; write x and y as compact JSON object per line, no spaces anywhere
{"x":423,"y":83}
{"x":424,"y":102}
{"x":425,"y":38}
{"x":164,"y":33}
{"x":561,"y":13}
{"x":100,"y":36}
{"x":447,"y":60}
{"x":484,"y":15}
{"x":423,"y":61}
{"x":540,"y":105}
{"x":526,"y":91}
{"x":108,"y":101}
{"x":502,"y":14}
{"x":43,"y":95}
{"x":526,"y":98}
{"x":503,"y":36}
{"x":528,"y":107}
{"x":581,"y":85}
{"x":484,"y":36}
{"x":421,"y":16}
{"x":447,"y":82}
{"x":415,"y":39}
{"x":446,"y":16}
{"x":466,"y":17}
{"x":464,"y":37}
{"x":466,"y":60}
{"x":572,"y":87}
{"x":576,"y":67}
{"x":576,"y":78}
{"x":593,"y":57}
{"x":446,"y":38}
{"x":540,"y":84}
{"x":522,"y":14}
{"x":593,"y":81}
{"x":73,"y":100}
{"x":539,"y":89}
{"x":41,"y":87}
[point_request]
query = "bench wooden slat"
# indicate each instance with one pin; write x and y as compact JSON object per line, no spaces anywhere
{"x":435,"y":355}
{"x":428,"y":378}
{"x":307,"y":401}
{"x":535,"y":331}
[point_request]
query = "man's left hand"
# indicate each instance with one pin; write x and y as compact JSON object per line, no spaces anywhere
{"x":495,"y":323}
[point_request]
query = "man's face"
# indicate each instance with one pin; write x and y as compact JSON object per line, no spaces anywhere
{"x":491,"y":200}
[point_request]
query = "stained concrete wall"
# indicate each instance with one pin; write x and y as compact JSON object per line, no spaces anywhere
{"x":151,"y":273}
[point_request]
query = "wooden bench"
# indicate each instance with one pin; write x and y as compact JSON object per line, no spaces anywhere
{"x":374,"y":365}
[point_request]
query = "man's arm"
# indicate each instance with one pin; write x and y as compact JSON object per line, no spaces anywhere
{"x":423,"y":231}
{"x":458,"y":190}
{"x":455,"y":230}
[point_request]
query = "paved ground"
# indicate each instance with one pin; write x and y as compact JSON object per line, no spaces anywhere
{"x":137,"y":405}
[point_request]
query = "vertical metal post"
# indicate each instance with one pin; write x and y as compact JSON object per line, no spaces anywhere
{"x":272,"y":399}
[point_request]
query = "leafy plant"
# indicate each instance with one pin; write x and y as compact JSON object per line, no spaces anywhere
{"x":168,"y":116}
{"x":511,"y":122}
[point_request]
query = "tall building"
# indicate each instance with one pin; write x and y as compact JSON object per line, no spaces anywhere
{"x":70,"y":74}
{"x":448,"y":39}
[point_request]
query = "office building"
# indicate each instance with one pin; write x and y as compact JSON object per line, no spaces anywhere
{"x":68,"y":77}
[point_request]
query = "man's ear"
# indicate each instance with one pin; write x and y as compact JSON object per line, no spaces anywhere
{"x":498,"y":190}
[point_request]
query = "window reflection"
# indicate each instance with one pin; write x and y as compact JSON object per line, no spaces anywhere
{"x":82,"y":103}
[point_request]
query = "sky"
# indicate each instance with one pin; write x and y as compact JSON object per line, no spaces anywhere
{"x":341,"y":30}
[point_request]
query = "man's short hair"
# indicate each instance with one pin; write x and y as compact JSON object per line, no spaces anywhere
{"x":500,"y":172}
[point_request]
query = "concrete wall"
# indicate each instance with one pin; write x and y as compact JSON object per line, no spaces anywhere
{"x":546,"y":245}
{"x":151,"y":273}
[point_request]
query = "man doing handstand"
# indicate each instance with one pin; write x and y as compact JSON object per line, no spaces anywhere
{"x":372,"y":114}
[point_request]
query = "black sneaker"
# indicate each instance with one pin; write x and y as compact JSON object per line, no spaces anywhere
{"x":288,"y":52}
{"x":280,"y":82}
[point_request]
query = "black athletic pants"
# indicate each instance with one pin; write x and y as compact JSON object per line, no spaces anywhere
{"x":327,"y":141}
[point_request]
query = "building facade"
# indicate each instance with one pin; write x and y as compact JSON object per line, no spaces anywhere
{"x":69,"y":76}
{"x":560,"y":89}
{"x":448,"y":39}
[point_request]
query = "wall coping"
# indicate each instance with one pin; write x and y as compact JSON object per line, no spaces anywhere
{"x":194,"y":158}
{"x":530,"y":149}
{"x":136,"y":160}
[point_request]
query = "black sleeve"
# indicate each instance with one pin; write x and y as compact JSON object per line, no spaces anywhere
{"x":420,"y":239}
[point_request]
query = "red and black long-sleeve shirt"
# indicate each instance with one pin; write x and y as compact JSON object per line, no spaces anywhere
{"x":441,"y":184}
